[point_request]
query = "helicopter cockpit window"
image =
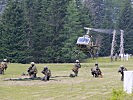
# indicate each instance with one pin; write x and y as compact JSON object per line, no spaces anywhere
{"x":83,"y":40}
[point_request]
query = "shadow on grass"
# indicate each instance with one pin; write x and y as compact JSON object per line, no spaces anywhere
{"x":22,"y":79}
{"x":26,"y":79}
{"x":59,"y":76}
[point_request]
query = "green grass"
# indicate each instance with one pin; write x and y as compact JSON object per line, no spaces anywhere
{"x":100,"y":59}
{"x":62,"y":87}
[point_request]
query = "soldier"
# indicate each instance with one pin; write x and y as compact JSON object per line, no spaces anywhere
{"x":95,"y":71}
{"x":4,"y":64}
{"x":47,"y":74}
{"x":32,"y":70}
{"x":98,"y":70}
{"x":1,"y":69}
{"x":121,"y":70}
{"x":76,"y":67}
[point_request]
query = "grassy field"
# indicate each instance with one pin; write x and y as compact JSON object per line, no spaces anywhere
{"x":62,"y":87}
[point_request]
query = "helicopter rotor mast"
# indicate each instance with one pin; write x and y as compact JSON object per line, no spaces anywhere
{"x":88,"y":30}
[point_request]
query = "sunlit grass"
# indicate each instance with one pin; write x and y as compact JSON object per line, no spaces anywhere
{"x":62,"y":87}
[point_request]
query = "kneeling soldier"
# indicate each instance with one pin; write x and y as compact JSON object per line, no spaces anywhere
{"x":99,"y":72}
{"x":76,"y":67}
{"x":47,"y":74}
{"x":4,"y":64}
{"x":32,"y":70}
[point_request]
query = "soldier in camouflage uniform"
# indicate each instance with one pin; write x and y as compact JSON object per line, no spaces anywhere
{"x":121,"y":70}
{"x":47,"y":74}
{"x":32,"y":70}
{"x":76,"y":67}
{"x":96,"y":72}
{"x":99,"y":72}
{"x":4,"y":64}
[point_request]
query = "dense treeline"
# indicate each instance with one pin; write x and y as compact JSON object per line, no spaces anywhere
{"x":47,"y":30}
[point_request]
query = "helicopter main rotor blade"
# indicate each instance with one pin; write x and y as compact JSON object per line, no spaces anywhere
{"x":108,"y":31}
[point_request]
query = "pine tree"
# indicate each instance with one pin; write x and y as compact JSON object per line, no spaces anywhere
{"x":73,"y":29}
{"x":37,"y":28}
{"x":125,"y":23}
{"x":108,"y":23}
{"x":55,"y":19}
{"x":13,"y":34}
{"x":85,"y":15}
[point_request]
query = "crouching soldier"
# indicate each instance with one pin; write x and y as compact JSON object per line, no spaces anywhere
{"x":121,"y":70}
{"x":47,"y":74}
{"x":96,"y":72}
{"x":4,"y":64}
{"x":32,"y":70}
{"x":76,"y":67}
{"x":99,"y":72}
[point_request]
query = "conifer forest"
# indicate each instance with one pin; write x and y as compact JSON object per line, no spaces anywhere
{"x":46,"y":31}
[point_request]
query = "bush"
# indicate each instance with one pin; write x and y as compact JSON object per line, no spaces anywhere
{"x":120,"y":95}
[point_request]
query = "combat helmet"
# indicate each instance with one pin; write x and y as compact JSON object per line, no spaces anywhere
{"x":32,"y":63}
{"x":77,"y":61}
{"x":4,"y":60}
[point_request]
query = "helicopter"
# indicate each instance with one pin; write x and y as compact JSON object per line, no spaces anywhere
{"x":87,"y":45}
